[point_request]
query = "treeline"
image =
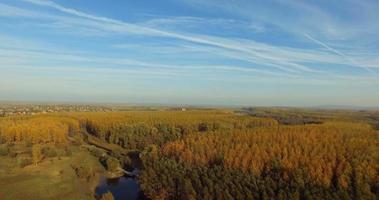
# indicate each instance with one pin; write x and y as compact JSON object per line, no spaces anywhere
{"x":132,"y":130}
{"x":167,"y":179}
{"x":328,"y":145}
{"x":329,"y":161}
{"x":287,"y":116}
{"x":38,"y":129}
{"x":136,"y":130}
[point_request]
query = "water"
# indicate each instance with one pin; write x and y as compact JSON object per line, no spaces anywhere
{"x":121,"y":188}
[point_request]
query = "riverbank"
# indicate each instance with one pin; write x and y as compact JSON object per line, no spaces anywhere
{"x":121,"y":188}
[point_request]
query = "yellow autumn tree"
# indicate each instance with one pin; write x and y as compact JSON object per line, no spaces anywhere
{"x":37,"y":153}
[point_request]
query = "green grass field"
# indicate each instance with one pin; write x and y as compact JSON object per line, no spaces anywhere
{"x":51,"y":179}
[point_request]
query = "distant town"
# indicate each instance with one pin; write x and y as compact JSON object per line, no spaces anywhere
{"x":13,"y":109}
{"x":32,"y":109}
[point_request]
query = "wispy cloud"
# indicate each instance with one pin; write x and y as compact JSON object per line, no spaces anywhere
{"x":267,"y":53}
{"x":35,"y":59}
{"x":296,"y":17}
{"x":228,"y":44}
{"x":338,"y":53}
{"x":194,"y":23}
{"x":288,"y":60}
{"x":12,"y":11}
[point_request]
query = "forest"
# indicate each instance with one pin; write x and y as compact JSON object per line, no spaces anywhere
{"x":220,"y":153}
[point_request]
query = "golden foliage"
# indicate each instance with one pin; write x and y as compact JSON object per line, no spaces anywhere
{"x":37,"y":153}
{"x":325,"y":152}
{"x":39,"y":129}
{"x":328,"y":153}
{"x":107,"y":196}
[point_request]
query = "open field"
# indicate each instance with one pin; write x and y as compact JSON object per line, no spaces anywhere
{"x":53,"y":178}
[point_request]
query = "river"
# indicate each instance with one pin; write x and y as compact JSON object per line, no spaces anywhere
{"x":122,"y":188}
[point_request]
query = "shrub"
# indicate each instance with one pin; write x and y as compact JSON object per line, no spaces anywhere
{"x":28,"y":143}
{"x":127,"y":161}
{"x":112,"y":164}
{"x":37,"y":154}
{"x":375,"y":126}
{"x":84,"y":171}
{"x":96,"y":151}
{"x":62,"y":152}
{"x":107,"y":196}
{"x":85,"y":166}
{"x":68,"y":152}
{"x":23,"y":161}
{"x":203,"y":127}
{"x":4,"y":150}
{"x":49,"y":151}
{"x":12,"y":154}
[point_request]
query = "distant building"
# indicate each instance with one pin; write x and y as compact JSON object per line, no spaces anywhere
{"x":178,"y":109}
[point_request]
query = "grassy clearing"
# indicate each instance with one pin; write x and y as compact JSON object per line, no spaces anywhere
{"x":52,"y":179}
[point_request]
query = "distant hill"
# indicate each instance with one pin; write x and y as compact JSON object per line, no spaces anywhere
{"x":347,"y":107}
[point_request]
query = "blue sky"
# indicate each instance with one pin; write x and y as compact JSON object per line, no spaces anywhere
{"x":213,"y":52}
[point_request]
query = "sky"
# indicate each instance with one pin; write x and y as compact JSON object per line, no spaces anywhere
{"x":192,"y":52}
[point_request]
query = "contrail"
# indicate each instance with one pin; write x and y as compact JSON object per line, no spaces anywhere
{"x":134,"y":28}
{"x":338,"y":53}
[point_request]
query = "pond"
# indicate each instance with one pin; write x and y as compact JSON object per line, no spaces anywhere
{"x":121,"y":188}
